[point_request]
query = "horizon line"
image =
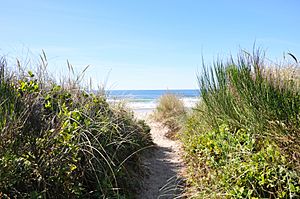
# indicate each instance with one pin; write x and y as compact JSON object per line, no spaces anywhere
{"x":152,"y":89}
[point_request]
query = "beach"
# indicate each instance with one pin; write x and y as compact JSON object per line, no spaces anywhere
{"x":163,"y":162}
{"x":146,"y":100}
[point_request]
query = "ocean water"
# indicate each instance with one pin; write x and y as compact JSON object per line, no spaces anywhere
{"x":147,"y":99}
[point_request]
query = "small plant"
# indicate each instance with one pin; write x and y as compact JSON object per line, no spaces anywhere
{"x":170,"y":111}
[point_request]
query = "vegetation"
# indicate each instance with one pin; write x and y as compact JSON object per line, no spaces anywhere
{"x":59,"y":141}
{"x":171,"y":112}
{"x":243,"y":138}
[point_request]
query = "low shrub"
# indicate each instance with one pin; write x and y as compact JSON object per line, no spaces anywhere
{"x":57,"y":142}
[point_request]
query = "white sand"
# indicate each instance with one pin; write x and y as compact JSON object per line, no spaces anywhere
{"x":164,"y":163}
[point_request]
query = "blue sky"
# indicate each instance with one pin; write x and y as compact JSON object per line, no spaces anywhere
{"x":139,"y":44}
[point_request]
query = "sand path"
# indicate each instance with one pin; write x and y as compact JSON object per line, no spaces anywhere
{"x":164,"y":165}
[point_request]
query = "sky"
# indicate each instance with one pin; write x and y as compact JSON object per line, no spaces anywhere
{"x":145,"y":44}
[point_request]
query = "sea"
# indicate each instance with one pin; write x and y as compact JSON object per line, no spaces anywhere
{"x":147,"y":99}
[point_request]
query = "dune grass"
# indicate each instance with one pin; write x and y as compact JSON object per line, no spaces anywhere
{"x":243,"y":138}
{"x":60,"y":141}
{"x":170,"y":112}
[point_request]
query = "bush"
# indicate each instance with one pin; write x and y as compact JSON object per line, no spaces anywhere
{"x":170,"y":111}
{"x":57,"y":142}
{"x":242,"y":141}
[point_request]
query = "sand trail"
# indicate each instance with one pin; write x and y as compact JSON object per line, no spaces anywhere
{"x":164,"y":165}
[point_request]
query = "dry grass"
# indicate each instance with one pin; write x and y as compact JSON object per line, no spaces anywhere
{"x":170,"y":111}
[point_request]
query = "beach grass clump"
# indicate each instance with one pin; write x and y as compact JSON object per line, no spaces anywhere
{"x":64,"y":142}
{"x":170,"y":112}
{"x":242,"y":140}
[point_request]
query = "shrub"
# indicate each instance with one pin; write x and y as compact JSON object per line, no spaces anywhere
{"x":170,"y":111}
{"x":57,"y":142}
{"x":242,"y":141}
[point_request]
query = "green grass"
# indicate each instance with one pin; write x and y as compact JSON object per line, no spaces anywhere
{"x":59,"y":141}
{"x":170,"y":112}
{"x":242,"y":140}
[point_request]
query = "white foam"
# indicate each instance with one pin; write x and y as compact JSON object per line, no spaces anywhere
{"x":190,"y":102}
{"x":151,"y":105}
{"x":142,"y":105}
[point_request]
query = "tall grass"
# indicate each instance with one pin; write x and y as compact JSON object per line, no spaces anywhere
{"x":243,"y":139}
{"x":59,"y":141}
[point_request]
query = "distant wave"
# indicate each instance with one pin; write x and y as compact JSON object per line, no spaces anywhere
{"x":150,"y":94}
{"x":147,"y":99}
{"x":151,"y":104}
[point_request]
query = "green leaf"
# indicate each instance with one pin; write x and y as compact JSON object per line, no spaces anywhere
{"x":30,"y":74}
